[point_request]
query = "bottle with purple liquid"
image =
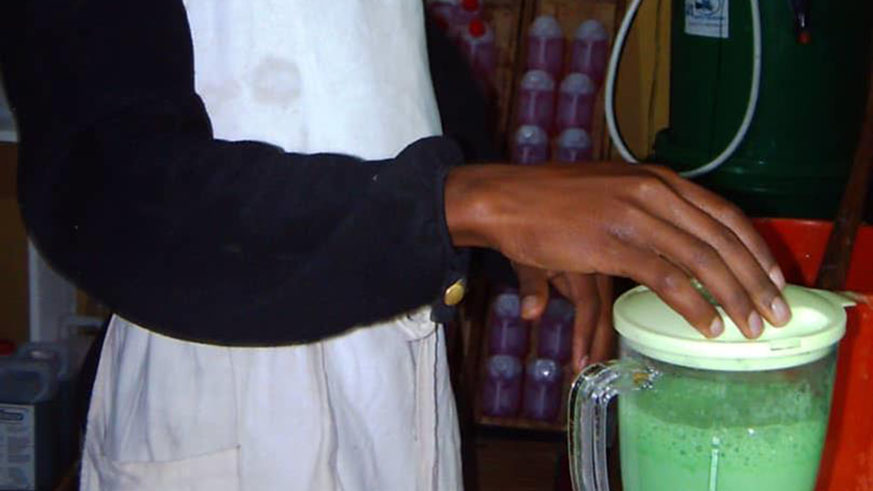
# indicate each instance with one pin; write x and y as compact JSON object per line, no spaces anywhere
{"x":530,"y":145}
{"x":464,"y":13}
{"x":509,"y":333}
{"x":590,"y":51}
{"x":536,"y":99}
{"x":555,"y":332}
{"x":477,"y":44}
{"x":542,"y":390}
{"x":443,"y":13}
{"x":575,"y":102}
{"x":573,"y":145}
{"x":501,"y":392}
{"x":545,"y":46}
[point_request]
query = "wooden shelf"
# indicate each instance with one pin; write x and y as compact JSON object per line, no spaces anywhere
{"x":521,"y":424}
{"x":481,"y":325}
{"x":510,"y":20}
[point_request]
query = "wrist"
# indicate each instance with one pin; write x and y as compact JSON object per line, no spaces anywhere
{"x":471,"y":204}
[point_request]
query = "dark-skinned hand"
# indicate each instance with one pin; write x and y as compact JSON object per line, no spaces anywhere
{"x":591,"y":296}
{"x":638,"y":221}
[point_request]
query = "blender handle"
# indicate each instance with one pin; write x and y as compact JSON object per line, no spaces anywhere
{"x":592,"y":390}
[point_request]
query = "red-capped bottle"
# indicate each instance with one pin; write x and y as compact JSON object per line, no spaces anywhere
{"x":480,"y":49}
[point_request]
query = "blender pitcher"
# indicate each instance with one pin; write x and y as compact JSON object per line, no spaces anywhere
{"x":727,"y":414}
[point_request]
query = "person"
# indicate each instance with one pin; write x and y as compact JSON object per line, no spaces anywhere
{"x":259,"y":190}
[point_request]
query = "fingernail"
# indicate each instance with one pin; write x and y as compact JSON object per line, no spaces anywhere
{"x":583,"y":363}
{"x":756,"y":324}
{"x":528,"y":304}
{"x":781,"y":313}
{"x":717,"y":327}
{"x":777,"y":277}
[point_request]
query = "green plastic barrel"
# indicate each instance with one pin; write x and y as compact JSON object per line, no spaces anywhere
{"x":796,"y":156}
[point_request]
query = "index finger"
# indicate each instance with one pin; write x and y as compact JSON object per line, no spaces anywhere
{"x":729,"y":215}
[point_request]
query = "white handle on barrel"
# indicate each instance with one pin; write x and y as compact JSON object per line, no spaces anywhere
{"x":754,"y":89}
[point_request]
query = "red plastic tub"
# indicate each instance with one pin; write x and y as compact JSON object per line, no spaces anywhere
{"x":847,"y":463}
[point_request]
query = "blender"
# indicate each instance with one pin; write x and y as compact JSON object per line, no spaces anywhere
{"x":723,"y":414}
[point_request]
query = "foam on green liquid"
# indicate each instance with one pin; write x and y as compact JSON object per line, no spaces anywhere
{"x":692,"y":434}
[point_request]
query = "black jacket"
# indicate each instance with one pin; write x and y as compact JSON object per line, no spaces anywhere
{"x":125,"y":191}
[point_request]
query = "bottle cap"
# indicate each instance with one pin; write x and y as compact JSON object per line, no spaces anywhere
{"x":546,"y":26}
{"x":470,"y":5}
{"x":591,"y":30}
{"x":577,"y":83}
{"x":537,"y":80}
{"x":477,"y":28}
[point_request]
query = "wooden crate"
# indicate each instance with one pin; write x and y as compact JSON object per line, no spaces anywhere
{"x":519,"y":422}
{"x":510,"y":20}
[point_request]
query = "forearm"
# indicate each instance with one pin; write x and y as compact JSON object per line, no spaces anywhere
{"x":124,"y":190}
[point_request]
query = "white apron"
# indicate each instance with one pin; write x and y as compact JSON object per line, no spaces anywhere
{"x":371,"y":410}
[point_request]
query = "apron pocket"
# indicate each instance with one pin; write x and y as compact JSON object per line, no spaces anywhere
{"x":218,"y":471}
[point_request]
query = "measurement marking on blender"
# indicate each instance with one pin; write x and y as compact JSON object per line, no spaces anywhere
{"x":713,"y":464}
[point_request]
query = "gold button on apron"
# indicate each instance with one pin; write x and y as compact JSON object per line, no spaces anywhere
{"x":455,"y":293}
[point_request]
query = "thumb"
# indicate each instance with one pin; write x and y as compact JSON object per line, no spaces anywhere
{"x":533,"y":289}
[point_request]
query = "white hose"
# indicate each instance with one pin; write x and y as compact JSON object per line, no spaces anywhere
{"x":609,"y":103}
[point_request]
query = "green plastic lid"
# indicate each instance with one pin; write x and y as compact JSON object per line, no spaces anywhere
{"x":649,"y":326}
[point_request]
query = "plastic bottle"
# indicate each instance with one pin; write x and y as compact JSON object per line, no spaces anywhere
{"x":590,"y":50}
{"x":442,"y":12}
{"x":28,"y":390}
{"x":536,"y":99}
{"x":530,"y":145}
{"x":509,"y":333}
{"x":477,"y":44}
{"x":542,"y":390}
{"x":545,"y":46}
{"x":501,"y":392}
{"x":573,"y":145}
{"x":575,"y":108}
{"x":67,"y":363}
{"x":465,"y":12}
{"x":555,"y":332}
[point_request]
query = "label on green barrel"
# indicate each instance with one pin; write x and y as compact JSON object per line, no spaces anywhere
{"x":684,"y":436}
{"x":17,"y":447}
{"x":708,"y":18}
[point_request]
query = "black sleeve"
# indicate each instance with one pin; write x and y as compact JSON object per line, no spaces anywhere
{"x":124,"y":190}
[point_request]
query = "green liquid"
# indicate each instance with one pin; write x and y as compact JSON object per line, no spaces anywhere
{"x":694,"y":435}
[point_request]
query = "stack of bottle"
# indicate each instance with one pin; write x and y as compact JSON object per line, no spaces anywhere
{"x":556,"y":98}
{"x":520,"y":381}
{"x":464,"y":24}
